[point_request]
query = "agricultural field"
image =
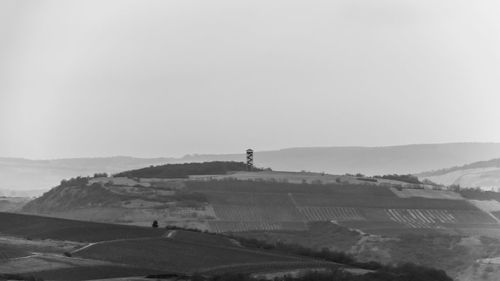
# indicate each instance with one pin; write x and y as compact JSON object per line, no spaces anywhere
{"x":426,"y":193}
{"x":11,"y":246}
{"x":257,"y":213}
{"x":36,"y":227}
{"x":271,"y":176}
{"x":317,"y":235}
{"x":11,"y":251}
{"x":298,"y":178}
{"x":242,"y":226}
{"x":42,"y":262}
{"x":96,"y":272}
{"x":376,"y":200}
{"x":415,"y":218}
{"x":179,"y":256}
{"x":197,"y":237}
{"x":120,"y":251}
{"x":273,"y":268}
{"x":252,"y":206}
{"x":331,"y":213}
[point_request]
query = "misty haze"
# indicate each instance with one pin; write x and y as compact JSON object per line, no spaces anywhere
{"x":249,"y":140}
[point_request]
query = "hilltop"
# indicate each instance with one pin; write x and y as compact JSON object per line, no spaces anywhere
{"x":172,"y":171}
{"x":17,"y":174}
{"x":483,"y":174}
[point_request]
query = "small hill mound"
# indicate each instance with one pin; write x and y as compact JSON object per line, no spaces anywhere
{"x":185,"y":170}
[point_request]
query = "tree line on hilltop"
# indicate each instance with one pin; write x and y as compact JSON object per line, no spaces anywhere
{"x":187,"y":169}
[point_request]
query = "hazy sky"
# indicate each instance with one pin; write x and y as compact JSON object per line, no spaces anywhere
{"x":167,"y":78}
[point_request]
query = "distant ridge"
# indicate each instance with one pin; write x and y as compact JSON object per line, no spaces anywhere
{"x":483,"y":174}
{"x":16,"y":173}
{"x":493,"y":163}
{"x":401,"y":159}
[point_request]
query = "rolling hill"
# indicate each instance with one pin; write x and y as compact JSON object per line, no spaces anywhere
{"x":107,"y":250}
{"x":18,"y":174}
{"x":482,"y":174}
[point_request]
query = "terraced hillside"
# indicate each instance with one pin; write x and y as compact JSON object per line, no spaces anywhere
{"x":264,"y":200}
{"x":249,"y":205}
{"x":139,"y":199}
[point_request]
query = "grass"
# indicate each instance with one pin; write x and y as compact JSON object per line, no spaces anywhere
{"x":93,"y":272}
{"x":180,"y":256}
{"x":362,"y":200}
{"x":12,"y":251}
{"x":268,"y":267}
{"x":257,"y":205}
{"x":37,"y":227}
{"x":283,"y":187}
{"x":197,"y":237}
{"x":319,"y":235}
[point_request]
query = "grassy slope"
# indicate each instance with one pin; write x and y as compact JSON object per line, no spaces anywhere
{"x":62,"y":229}
{"x":453,"y":253}
{"x":348,"y":195}
{"x":11,"y":251}
{"x":178,"y":256}
{"x":319,"y":235}
{"x":479,"y":194}
{"x":94,"y":272}
{"x":188,"y":252}
{"x":197,"y":237}
{"x":142,"y":249}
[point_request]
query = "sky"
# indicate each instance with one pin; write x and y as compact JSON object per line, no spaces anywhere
{"x":169,"y":78}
